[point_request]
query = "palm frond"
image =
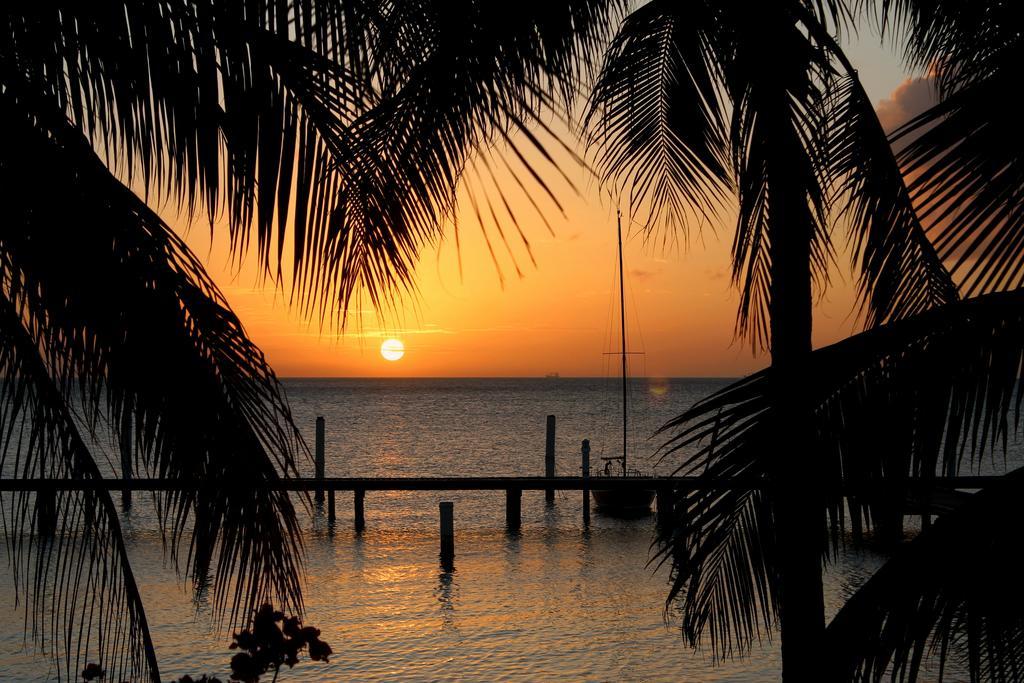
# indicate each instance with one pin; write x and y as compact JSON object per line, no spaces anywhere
{"x":161,"y":87}
{"x":720,"y":547}
{"x":942,"y":386}
{"x":969,"y":184}
{"x":349,"y":124}
{"x":776,"y":120}
{"x":129,"y":324}
{"x":900,"y":272}
{"x":960,"y":42}
{"x":657,"y":117}
{"x":951,"y":594}
{"x":963,"y":155}
{"x":81,"y":600}
{"x":458,"y":78}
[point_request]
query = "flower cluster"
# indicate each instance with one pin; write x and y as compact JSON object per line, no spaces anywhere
{"x":263,"y":647}
{"x":93,"y":672}
{"x":268,"y":645}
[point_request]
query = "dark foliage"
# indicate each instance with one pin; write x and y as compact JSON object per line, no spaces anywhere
{"x":953,"y":593}
{"x":680,"y":114}
{"x":328,"y":134}
{"x":686,"y":108}
{"x":93,"y":672}
{"x":271,"y":641}
{"x":914,"y":398}
{"x":688,"y":85}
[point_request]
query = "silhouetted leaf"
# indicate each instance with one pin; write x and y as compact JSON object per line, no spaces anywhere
{"x":952,"y":593}
{"x":124,"y":321}
{"x":940,"y":386}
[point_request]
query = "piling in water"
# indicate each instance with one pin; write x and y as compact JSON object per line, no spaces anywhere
{"x":330,"y":508}
{"x":125,"y":443}
{"x":320,"y":457}
{"x":585,"y":470}
{"x":46,"y":514}
{"x":549,"y":457}
{"x":513,"y":510}
{"x":856,"y":522}
{"x":357,"y":500}
{"x":447,"y":511}
{"x":926,"y":509}
{"x":887,"y":514}
{"x":46,"y":506}
{"x":665,"y":508}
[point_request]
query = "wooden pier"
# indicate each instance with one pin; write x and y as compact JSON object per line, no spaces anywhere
{"x":472,"y":484}
{"x":923,"y":496}
{"x":917,"y":491}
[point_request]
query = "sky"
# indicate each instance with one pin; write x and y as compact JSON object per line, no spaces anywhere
{"x":554,"y":313}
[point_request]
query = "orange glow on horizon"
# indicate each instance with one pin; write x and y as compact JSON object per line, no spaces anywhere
{"x":556,"y":318}
{"x":473,"y":318}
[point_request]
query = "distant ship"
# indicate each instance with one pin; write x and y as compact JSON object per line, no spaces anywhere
{"x":622,"y":502}
{"x":551,"y":375}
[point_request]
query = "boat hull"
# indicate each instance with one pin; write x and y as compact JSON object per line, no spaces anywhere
{"x":623,"y":502}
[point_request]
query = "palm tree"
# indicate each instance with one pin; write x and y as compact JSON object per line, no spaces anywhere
{"x":336,"y":128}
{"x":333,"y":132}
{"x":698,"y":100}
{"x":929,"y":385}
{"x":953,"y":590}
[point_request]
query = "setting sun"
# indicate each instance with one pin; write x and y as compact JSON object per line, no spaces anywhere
{"x":392,"y":349}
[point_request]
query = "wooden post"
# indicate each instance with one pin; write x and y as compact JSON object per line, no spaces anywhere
{"x":549,"y":458}
{"x":664,"y":504}
{"x":125,"y":442}
{"x":46,"y":513}
{"x":680,"y":526}
{"x":513,"y":510}
{"x":330,"y":507}
{"x":856,"y":521}
{"x":447,"y":510}
{"x":926,"y":508}
{"x":585,"y":469}
{"x":887,"y":513}
{"x":357,"y":498}
{"x":46,"y":505}
{"x":320,"y":457}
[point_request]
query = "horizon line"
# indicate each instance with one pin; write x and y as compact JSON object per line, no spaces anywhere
{"x":508,"y":377}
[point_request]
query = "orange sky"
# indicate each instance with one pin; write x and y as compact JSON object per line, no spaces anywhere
{"x":557,"y":316}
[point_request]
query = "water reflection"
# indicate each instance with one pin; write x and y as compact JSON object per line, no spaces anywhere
{"x":358,"y":550}
{"x":446,"y":589}
{"x":513,"y":556}
{"x":319,"y":518}
{"x":556,"y":602}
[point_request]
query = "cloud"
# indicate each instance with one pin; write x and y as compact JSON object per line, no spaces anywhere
{"x":910,"y":98}
{"x":642,"y":275}
{"x":367,"y":334}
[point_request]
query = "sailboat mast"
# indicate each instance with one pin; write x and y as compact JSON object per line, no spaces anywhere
{"x":622,"y":310}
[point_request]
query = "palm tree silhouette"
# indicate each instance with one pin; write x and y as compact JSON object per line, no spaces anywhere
{"x":954,"y":373}
{"x":337,"y":132}
{"x":932,"y":381}
{"x":699,"y":101}
{"x":330,"y":132}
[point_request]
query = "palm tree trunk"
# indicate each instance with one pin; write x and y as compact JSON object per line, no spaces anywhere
{"x":797,"y":508}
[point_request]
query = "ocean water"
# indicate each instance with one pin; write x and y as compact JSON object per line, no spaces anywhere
{"x":555,"y":602}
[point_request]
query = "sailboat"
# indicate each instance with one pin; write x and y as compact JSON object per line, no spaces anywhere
{"x":621,"y":501}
